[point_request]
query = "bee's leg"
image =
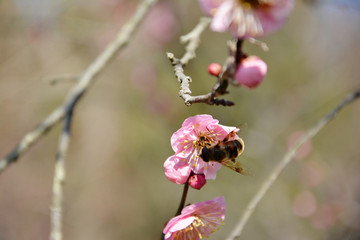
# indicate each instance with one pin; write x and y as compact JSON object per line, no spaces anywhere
{"x":227,"y":137}
{"x":232,"y":133}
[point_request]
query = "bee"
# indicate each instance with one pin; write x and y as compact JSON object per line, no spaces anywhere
{"x":226,"y":152}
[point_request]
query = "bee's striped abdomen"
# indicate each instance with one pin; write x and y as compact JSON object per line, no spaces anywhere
{"x":222,"y":151}
{"x":218,"y":153}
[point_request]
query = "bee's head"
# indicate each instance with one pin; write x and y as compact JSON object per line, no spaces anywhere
{"x":203,"y":155}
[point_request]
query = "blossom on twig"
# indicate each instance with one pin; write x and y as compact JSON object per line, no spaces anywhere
{"x":196,"y":221}
{"x":247,"y":18}
{"x":195,"y":133}
{"x":250,"y":72}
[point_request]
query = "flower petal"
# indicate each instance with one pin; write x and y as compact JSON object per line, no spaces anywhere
{"x":209,"y":5}
{"x":223,"y":17}
{"x":176,"y":170}
{"x":211,"y":169}
{"x":275,"y":17}
{"x":204,"y":208}
{"x":194,"y":121}
{"x":181,"y":223}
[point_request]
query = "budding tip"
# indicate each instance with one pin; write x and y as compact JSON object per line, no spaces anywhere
{"x":214,"y":69}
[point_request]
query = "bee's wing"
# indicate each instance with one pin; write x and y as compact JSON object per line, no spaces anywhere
{"x":236,"y":166}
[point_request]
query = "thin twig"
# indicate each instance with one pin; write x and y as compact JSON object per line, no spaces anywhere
{"x":183,"y":198}
{"x":235,"y":234}
{"x":224,"y":78}
{"x":62,"y":78}
{"x":193,"y":40}
{"x":58,"y":182}
{"x":87,"y":78}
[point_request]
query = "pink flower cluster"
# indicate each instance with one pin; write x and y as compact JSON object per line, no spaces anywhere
{"x":247,"y":18}
{"x":250,"y":72}
{"x":196,"y":221}
{"x":187,"y":142}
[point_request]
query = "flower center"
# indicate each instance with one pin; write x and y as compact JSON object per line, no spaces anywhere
{"x":203,"y":141}
{"x":192,"y":230}
{"x":248,"y":4}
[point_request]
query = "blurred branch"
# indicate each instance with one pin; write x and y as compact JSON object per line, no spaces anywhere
{"x":65,"y":113}
{"x":62,"y":78}
{"x":285,"y":161}
{"x":193,"y":39}
{"x":59,"y":178}
{"x":84,"y":82}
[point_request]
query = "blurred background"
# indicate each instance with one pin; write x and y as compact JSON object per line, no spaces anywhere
{"x":115,"y":186}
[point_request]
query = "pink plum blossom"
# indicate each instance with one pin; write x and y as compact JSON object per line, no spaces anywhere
{"x":250,"y":72}
{"x":195,"y":133}
{"x":247,"y":18}
{"x":196,"y":221}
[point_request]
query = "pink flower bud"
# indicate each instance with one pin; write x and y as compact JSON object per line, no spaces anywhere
{"x":214,"y":69}
{"x":251,"y":72}
{"x":197,"y":181}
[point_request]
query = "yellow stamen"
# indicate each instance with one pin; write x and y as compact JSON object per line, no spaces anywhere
{"x":213,"y":11}
{"x":246,"y":5}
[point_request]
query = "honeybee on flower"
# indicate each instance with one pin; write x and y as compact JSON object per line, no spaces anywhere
{"x":201,"y":146}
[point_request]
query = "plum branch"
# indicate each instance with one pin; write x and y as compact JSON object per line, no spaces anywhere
{"x":84,"y":82}
{"x":287,"y":158}
{"x":224,"y":78}
{"x":65,"y":112}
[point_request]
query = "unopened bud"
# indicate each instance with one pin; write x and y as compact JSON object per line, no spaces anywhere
{"x":197,"y":181}
{"x":214,"y":69}
{"x":251,"y":72}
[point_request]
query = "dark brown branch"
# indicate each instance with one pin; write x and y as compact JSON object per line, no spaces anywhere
{"x":183,"y":198}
